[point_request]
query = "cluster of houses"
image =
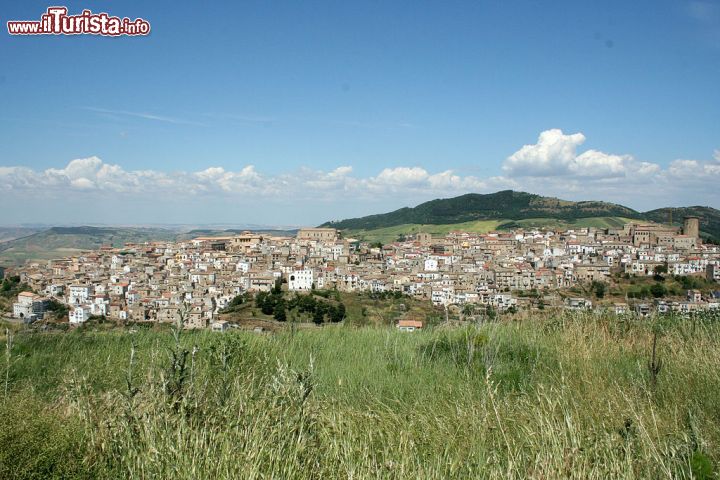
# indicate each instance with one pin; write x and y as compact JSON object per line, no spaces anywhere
{"x":193,"y":280}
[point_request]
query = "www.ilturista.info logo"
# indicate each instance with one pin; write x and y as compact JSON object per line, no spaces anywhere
{"x":56,"y":21}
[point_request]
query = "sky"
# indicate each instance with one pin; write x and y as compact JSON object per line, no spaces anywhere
{"x":294,"y":113}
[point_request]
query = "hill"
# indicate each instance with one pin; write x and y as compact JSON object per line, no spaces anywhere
{"x":209,"y":232}
{"x":507,"y":210}
{"x":63,"y":241}
{"x":391,"y":234}
{"x":57,"y":242}
{"x":506,"y":204}
{"x":11,"y":233}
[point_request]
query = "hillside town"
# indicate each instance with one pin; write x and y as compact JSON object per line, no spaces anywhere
{"x":196,"y":279}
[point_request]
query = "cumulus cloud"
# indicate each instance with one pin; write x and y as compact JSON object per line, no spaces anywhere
{"x":552,"y":166}
{"x":555,"y":154}
{"x":92,"y":174}
{"x":551,"y":155}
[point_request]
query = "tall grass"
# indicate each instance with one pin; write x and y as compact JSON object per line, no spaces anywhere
{"x":567,"y":397}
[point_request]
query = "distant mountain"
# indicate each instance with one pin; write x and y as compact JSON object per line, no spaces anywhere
{"x":58,"y":242}
{"x":518,"y":209}
{"x":62,"y":241}
{"x":11,"y":233}
{"x":209,"y":232}
{"x":506,"y":204}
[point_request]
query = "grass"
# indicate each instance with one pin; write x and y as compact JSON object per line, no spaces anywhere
{"x":391,"y":234}
{"x":19,"y":256}
{"x":566,"y":396}
{"x":363,"y":309}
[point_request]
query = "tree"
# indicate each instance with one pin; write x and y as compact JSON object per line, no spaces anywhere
{"x":280,"y":314}
{"x":658,"y":272}
{"x":318,"y":316}
{"x":277,"y":288}
{"x":599,"y":289}
{"x":265,"y":303}
{"x":338,"y":313}
{"x":658,"y":290}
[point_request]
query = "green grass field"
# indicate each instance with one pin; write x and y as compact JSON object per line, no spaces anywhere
{"x":391,"y":234}
{"x":567,"y":396}
{"x":16,"y":256}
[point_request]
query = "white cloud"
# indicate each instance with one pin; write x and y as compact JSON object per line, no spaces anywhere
{"x":402,"y":177}
{"x":552,"y":166}
{"x":555,"y":154}
{"x":551,"y":155}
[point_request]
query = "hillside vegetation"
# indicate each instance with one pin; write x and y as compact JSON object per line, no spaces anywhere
{"x":507,"y":210}
{"x":559,"y":397}
{"x":473,"y":206}
{"x":392,"y":234}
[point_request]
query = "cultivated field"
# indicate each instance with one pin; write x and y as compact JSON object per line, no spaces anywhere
{"x":568,"y":396}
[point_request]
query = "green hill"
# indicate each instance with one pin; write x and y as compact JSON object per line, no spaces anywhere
{"x":507,"y":210}
{"x":501,"y":205}
{"x":391,"y":234}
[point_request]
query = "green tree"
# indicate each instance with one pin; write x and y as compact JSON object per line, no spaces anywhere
{"x":318,"y":316}
{"x":599,"y":288}
{"x":279,"y":312}
{"x":658,"y":290}
{"x":337,"y":314}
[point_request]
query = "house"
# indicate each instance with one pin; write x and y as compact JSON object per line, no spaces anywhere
{"x":220,"y":326}
{"x":79,"y":294}
{"x":300,"y":280}
{"x":621,"y":308}
{"x":79,"y":315}
{"x":30,"y":306}
{"x":409,"y":325}
{"x":317,"y":234}
{"x":578,"y":304}
{"x":662,"y":307}
{"x":694,"y":296}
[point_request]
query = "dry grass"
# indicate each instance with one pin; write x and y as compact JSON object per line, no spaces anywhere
{"x":569,"y":397}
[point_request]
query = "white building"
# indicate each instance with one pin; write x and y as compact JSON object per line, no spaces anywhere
{"x":431,"y":265}
{"x":29,"y":306}
{"x":300,"y":280}
{"x":79,"y":315}
{"x":79,"y":294}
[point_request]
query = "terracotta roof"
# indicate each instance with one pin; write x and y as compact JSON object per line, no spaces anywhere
{"x":410,"y":323}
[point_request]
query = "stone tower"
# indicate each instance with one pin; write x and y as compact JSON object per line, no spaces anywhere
{"x":691,"y":227}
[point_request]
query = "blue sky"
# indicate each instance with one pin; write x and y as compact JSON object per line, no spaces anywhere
{"x":297,"y":112}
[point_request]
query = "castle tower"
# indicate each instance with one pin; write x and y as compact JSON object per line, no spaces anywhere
{"x":691,"y":227}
